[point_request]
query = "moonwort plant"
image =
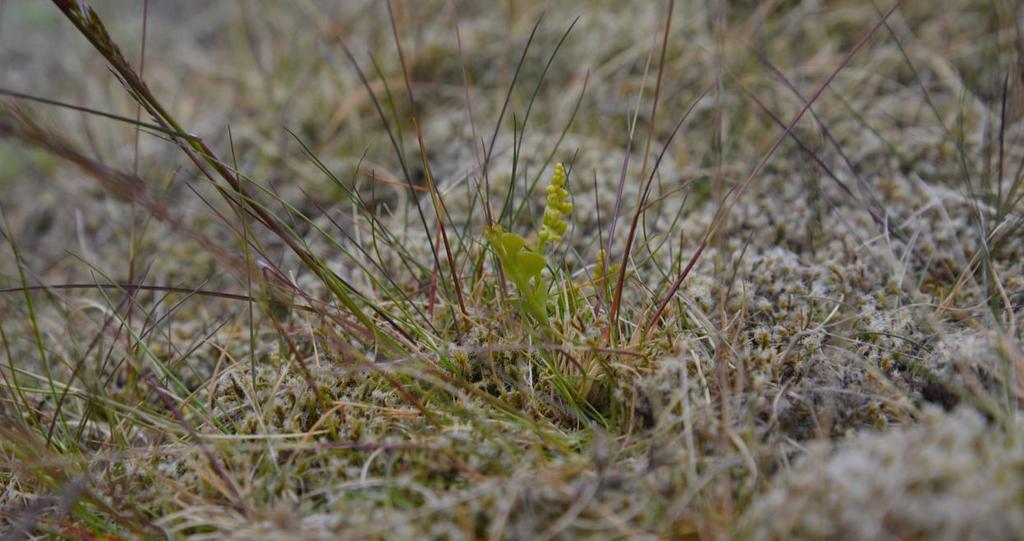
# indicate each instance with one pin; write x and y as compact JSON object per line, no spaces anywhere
{"x":525,"y":266}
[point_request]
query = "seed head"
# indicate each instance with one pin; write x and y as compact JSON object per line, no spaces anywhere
{"x":557,"y":208}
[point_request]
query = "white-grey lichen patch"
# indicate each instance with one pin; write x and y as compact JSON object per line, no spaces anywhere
{"x":952,"y":476}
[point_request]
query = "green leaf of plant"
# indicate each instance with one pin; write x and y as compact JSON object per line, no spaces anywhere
{"x":531,"y":263}
{"x":512,"y":243}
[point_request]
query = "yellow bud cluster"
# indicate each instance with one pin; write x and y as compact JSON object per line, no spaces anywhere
{"x":557,"y":208}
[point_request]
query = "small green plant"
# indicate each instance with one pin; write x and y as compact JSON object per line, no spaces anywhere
{"x":525,"y":266}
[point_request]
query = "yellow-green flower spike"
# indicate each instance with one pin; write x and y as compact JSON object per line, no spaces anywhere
{"x":557,"y":208}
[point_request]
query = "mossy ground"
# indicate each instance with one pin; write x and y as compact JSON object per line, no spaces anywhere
{"x":843,"y":360}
